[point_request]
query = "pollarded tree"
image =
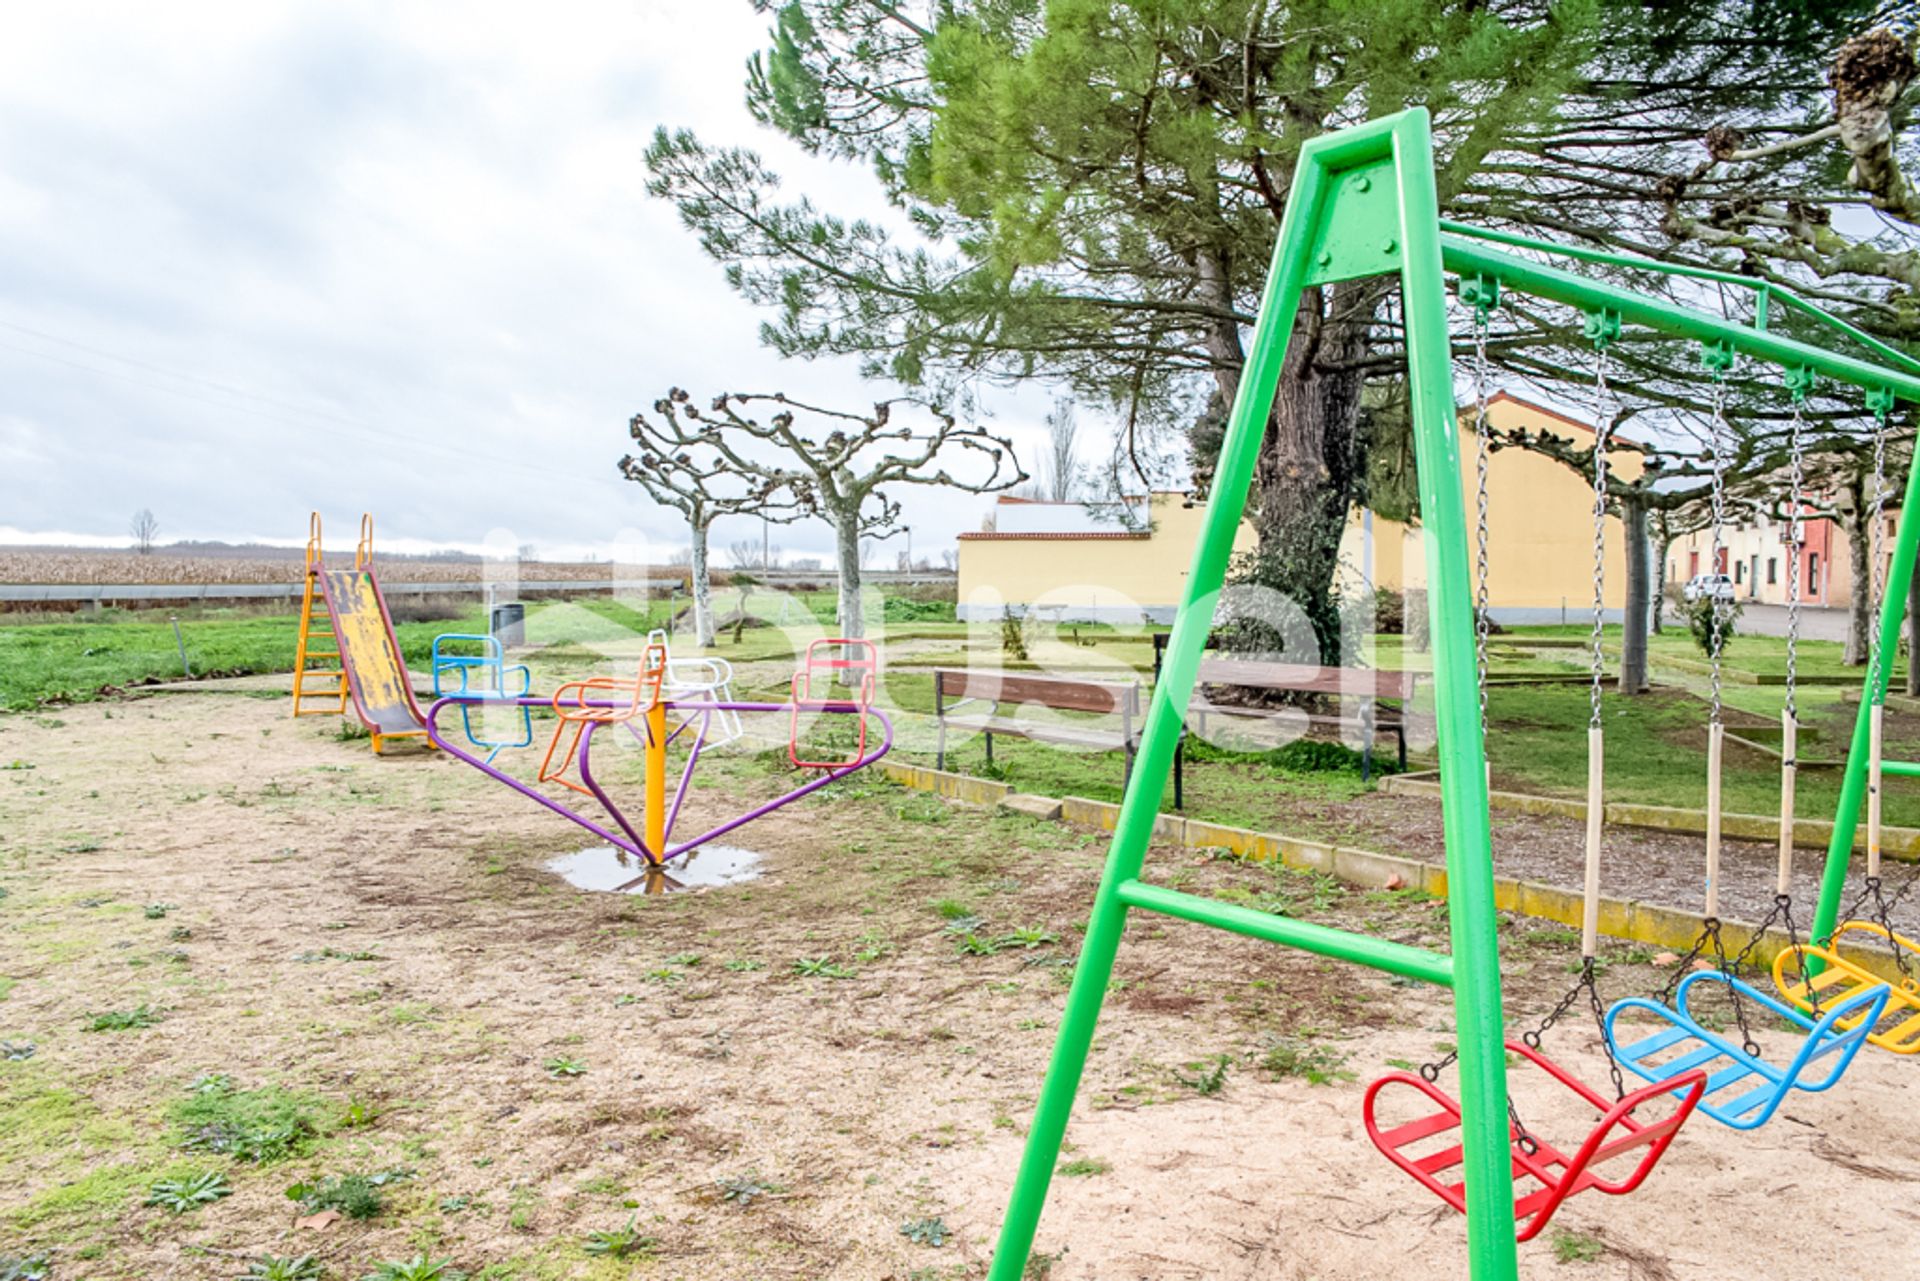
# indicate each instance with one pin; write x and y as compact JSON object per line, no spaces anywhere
{"x":694,"y":479}
{"x":1098,"y":187}
{"x":835,"y":465}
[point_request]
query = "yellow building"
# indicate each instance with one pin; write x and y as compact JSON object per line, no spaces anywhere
{"x":1083,"y":562}
{"x":1072,"y":562}
{"x":1539,"y":526}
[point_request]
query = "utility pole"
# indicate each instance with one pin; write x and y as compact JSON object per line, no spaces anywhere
{"x":909,"y":529}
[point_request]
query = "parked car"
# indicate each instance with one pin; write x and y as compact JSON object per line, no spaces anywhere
{"x":1708,"y":587}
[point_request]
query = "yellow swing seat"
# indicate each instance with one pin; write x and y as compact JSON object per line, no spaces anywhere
{"x":1898,"y":1028}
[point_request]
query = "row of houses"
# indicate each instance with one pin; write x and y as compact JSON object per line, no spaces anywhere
{"x":1084,"y":562}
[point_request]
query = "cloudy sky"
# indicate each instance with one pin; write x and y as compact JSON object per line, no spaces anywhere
{"x":257,"y":259}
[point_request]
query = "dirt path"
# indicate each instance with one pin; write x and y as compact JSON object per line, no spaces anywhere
{"x":382,"y":936}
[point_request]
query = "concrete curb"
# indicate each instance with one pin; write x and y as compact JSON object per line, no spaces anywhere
{"x":1656,"y":925}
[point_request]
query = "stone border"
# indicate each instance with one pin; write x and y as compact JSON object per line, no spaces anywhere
{"x":1656,"y":925}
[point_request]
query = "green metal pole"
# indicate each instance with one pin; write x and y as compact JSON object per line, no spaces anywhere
{"x":1140,"y":807}
{"x":1853,"y":787}
{"x":1480,"y":1031}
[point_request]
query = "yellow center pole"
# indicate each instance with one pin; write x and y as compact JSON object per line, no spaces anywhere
{"x":656,"y":781}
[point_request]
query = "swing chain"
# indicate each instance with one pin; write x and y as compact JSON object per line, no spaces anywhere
{"x":1877,"y":536}
{"x":1795,"y":533}
{"x":1609,"y":410}
{"x":1718,"y":359}
{"x":1586,"y":985}
{"x":1882,"y":916}
{"x":1731,"y":968}
{"x":1483,"y":441}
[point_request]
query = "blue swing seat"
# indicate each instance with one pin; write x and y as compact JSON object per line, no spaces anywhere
{"x":482,"y":679}
{"x":1744,"y":1091}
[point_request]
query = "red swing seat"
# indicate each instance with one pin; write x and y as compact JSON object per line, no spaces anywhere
{"x":1545,"y":1176}
{"x":831,"y":660}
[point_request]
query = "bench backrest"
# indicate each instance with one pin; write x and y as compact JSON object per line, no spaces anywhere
{"x":1363,"y":682}
{"x":1062,"y":693}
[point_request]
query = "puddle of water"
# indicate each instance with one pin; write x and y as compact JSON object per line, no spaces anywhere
{"x":602,"y":867}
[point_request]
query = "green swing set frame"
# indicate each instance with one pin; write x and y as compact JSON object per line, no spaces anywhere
{"x":1363,"y":204}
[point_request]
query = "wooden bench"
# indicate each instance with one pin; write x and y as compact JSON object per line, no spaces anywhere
{"x":956,"y":687}
{"x":1370,"y":686}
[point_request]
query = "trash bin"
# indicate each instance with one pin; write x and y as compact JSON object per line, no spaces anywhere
{"x":509,"y":624}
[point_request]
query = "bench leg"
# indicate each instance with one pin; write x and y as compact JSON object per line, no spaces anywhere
{"x":1179,"y":791}
{"x":989,"y":747}
{"x":1400,"y":731}
{"x":940,"y":748}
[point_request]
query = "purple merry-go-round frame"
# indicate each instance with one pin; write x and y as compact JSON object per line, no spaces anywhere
{"x":628,"y":838}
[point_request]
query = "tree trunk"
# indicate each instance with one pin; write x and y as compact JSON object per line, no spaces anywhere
{"x":1860,"y":551}
{"x":1665,"y":549}
{"x":1633,"y":630}
{"x":702,"y":588}
{"x":1913,"y":636}
{"x":846,"y":543}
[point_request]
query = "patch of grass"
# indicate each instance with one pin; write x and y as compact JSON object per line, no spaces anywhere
{"x":123,"y":1020}
{"x":931,"y":1232}
{"x":157,"y":911}
{"x":189,"y":1192}
{"x":560,"y":1067}
{"x":1574,"y":1247}
{"x":25,"y":1267}
{"x":1316,"y":1064}
{"x":1084,"y":1167}
{"x":268,"y":1124}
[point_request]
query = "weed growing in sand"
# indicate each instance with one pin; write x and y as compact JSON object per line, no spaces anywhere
{"x":158,"y":911}
{"x":1029,"y":937}
{"x":28,"y":1267}
{"x":564,"y":1067}
{"x":745,"y":965}
{"x":1210,"y":1075}
{"x":1316,"y":1064}
{"x":1575,"y":1247}
{"x":743,"y":1190}
{"x":189,"y":1192}
{"x":977,"y":945}
{"x":1084,"y":1167}
{"x":357,"y":1196}
{"x":931,"y":1232}
{"x":418,"y":1268}
{"x":123,"y":1020}
{"x":300,"y":1267}
{"x":820,"y":967}
{"x":14,"y":1051}
{"x":620,"y":1243}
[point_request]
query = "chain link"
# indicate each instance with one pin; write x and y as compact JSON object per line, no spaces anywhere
{"x":1608,"y":410}
{"x":1876,"y":543}
{"x":1795,"y":503}
{"x":1721,"y":606}
{"x":1483,"y":440}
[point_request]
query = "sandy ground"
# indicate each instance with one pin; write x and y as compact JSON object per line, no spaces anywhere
{"x":859,"y":1105}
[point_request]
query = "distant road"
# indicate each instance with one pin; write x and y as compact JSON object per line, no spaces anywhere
{"x":104,"y":593}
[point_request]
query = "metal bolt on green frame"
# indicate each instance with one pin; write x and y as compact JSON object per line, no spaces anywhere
{"x":1363,"y":204}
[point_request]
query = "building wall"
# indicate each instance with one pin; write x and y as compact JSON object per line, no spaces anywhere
{"x":1757,"y":558}
{"x":1111,"y":575}
{"x":1539,"y":527}
{"x":1540,"y":543}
